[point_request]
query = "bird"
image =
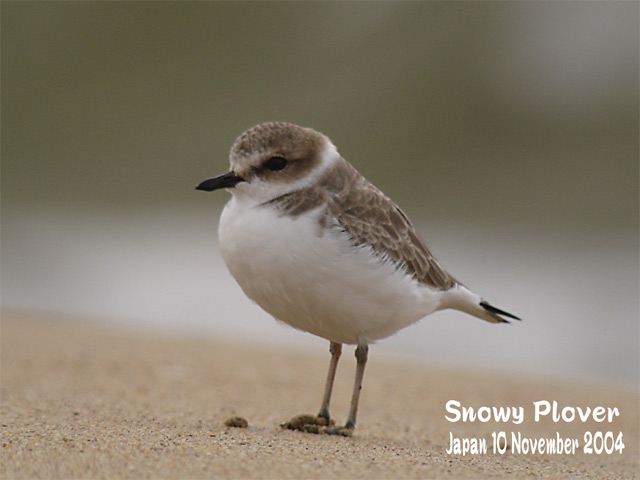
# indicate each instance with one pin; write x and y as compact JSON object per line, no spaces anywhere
{"x":323,"y":250}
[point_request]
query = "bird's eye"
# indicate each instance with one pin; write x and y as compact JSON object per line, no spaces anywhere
{"x":276,"y":163}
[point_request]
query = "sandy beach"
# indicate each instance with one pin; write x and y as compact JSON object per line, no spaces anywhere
{"x":84,"y":400}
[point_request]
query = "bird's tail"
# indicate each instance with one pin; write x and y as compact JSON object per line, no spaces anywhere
{"x":463,"y":299}
{"x":497,"y":315}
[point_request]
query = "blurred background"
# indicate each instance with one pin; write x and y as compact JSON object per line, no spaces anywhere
{"x":508,"y":131}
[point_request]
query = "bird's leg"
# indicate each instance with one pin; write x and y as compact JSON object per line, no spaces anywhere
{"x":315,"y":424}
{"x":361,"y":358}
{"x":336,"y":350}
{"x":362,"y":353}
{"x":322,"y":423}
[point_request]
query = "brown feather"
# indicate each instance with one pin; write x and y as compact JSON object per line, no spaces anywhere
{"x":370,"y":218}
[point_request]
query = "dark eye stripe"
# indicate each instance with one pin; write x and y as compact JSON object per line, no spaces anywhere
{"x":276,"y":163}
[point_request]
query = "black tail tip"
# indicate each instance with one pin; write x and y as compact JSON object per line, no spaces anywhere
{"x":496,"y":311}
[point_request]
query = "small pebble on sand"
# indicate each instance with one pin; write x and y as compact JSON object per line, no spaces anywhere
{"x":237,"y":422}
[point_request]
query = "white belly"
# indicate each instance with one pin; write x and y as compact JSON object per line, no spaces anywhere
{"x":315,"y":280}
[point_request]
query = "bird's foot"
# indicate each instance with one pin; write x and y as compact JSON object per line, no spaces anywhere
{"x":306,"y":421}
{"x":341,"y":431}
{"x":316,"y":424}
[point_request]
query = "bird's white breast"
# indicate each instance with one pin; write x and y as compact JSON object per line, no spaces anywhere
{"x":313,"y":279}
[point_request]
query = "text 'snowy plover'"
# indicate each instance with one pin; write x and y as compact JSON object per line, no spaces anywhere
{"x":320,"y":248}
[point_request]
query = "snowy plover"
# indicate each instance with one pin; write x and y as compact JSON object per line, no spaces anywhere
{"x":320,"y":248}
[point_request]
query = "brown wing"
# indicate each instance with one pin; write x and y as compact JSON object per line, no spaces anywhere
{"x":371,"y":218}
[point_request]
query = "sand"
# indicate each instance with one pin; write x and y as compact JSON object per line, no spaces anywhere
{"x":84,"y":400}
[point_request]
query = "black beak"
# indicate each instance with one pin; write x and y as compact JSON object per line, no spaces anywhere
{"x":228,"y":180}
